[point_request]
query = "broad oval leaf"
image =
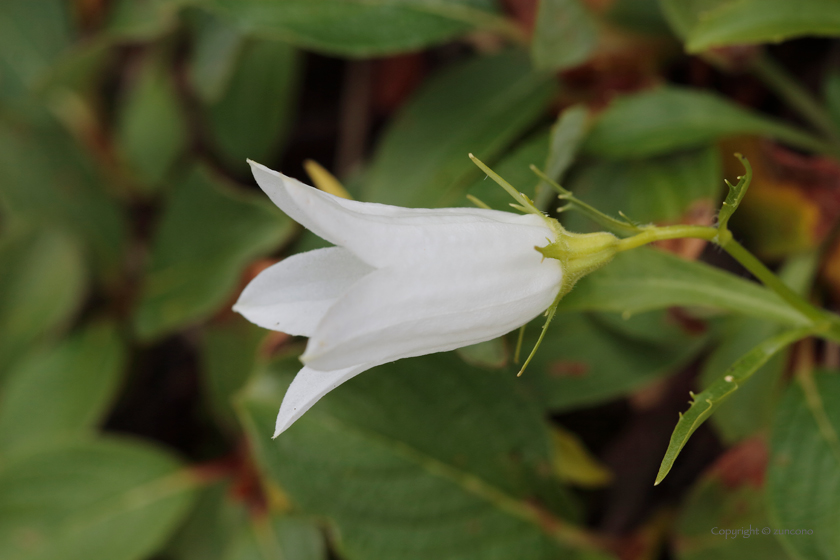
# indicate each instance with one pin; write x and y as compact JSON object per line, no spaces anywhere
{"x":422,"y":458}
{"x":42,"y":283}
{"x":587,"y":358}
{"x":112,"y":499}
{"x":804,"y":473}
{"x":62,"y":392}
{"x":729,"y":497}
{"x":48,"y":181}
{"x":208,"y":234}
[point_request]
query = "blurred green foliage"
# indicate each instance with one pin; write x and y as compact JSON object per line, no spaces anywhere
{"x":128,"y":224}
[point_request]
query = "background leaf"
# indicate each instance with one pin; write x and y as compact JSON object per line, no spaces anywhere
{"x":673,"y":118}
{"x":729,"y":496}
{"x":106,"y":500}
{"x":250,"y":120}
{"x":565,"y":34}
{"x":394,"y":487}
{"x":42,"y":283}
{"x":480,"y":106}
{"x":221,"y":528}
{"x":49,"y":182}
{"x":648,"y":279}
{"x":360,"y":28}
{"x":763,"y":21}
{"x":33,"y":35}
{"x":152,"y":132}
{"x":71,"y":386}
{"x":804,"y":471}
{"x":669,"y":188}
{"x":587,"y":358}
{"x":206,"y":237}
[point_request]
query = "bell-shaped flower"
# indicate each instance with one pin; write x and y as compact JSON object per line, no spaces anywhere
{"x":400,"y":282}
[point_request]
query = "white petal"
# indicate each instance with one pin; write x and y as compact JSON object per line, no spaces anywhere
{"x":293,"y":295}
{"x":383,"y":235}
{"x":307,"y":388}
{"x":396,"y":313}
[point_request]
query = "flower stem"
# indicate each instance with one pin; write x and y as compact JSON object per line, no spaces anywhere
{"x":828,"y":323}
{"x":760,"y":271}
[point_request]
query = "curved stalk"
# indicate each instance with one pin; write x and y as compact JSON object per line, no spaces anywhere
{"x":827,"y":324}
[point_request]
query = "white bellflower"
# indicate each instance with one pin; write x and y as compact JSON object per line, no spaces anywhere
{"x":400,"y":282}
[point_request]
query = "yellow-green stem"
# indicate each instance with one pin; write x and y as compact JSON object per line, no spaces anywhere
{"x":829,"y":322}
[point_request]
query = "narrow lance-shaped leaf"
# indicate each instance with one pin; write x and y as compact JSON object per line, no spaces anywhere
{"x":706,"y":402}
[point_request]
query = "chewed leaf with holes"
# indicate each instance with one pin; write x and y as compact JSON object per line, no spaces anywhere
{"x":423,"y":458}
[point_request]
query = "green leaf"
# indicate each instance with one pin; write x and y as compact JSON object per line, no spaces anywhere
{"x":729,"y":496}
{"x":735,"y":195}
{"x":130,"y":20}
{"x":215,"y":51}
{"x":71,"y":386}
{"x":647,"y":279}
{"x":750,"y":409}
{"x":228,"y":358}
{"x":152,"y":132}
{"x":565,"y":34}
{"x":47,"y":181}
{"x":478,"y":107}
{"x":641,"y":16}
{"x":762,"y":21}
{"x":362,"y":28}
{"x":42,"y":283}
{"x":804,"y":471}
{"x":111,"y":499}
{"x":590,"y":358}
{"x":33,"y":35}
{"x":704,"y":404}
{"x":490,"y":354}
{"x":674,"y":118}
{"x":251,"y":119}
{"x":662,"y":189}
{"x":831,"y":93}
{"x":684,"y":15}
{"x":371,"y":457}
{"x":207,"y":236}
{"x":223,"y":529}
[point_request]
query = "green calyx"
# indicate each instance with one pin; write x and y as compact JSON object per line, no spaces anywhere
{"x":579,"y":253}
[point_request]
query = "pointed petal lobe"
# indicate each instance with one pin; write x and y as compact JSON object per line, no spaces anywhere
{"x":307,"y":388}
{"x":293,"y":295}
{"x":383,"y":235}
